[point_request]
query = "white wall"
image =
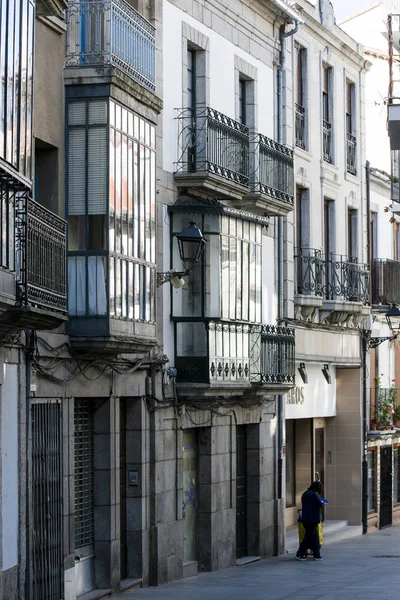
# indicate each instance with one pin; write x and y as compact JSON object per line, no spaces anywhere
{"x":222,"y":79}
{"x":9,"y":458}
{"x":316,"y":398}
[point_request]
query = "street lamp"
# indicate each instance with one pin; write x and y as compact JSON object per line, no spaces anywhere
{"x":393,"y":321}
{"x":191,"y":245}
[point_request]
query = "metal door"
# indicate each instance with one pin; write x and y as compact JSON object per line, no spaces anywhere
{"x":386,"y":500}
{"x":47,"y":559}
{"x":241,"y":491}
{"x":190,"y":494}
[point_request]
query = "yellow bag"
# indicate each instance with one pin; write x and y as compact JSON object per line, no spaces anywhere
{"x":302,"y":531}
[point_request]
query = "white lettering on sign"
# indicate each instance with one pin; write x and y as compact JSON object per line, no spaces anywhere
{"x":295,"y":396}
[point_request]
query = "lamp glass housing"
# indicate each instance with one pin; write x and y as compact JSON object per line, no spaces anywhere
{"x":191,"y":243}
{"x":393,"y":318}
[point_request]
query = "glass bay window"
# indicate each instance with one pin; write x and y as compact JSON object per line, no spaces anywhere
{"x":111,"y":212}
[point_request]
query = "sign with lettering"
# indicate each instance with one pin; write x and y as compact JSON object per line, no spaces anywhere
{"x":316,"y":398}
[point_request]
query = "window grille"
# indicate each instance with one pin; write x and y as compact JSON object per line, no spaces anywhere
{"x":84,"y":474}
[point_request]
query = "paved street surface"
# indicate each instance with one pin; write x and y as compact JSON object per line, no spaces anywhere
{"x":353,"y":569}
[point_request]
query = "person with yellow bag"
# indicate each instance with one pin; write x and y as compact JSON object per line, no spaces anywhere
{"x":311,"y":504}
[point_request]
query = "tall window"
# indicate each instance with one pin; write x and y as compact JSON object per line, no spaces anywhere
{"x":242,"y":101}
{"x":329,"y":227}
{"x":352,"y":234}
{"x":191,"y":105}
{"x":290,"y":462}
{"x":111,"y":211}
{"x":299,"y":94}
{"x":16,"y":83}
{"x":84,"y":477}
{"x":396,"y":241}
{"x":396,"y":475}
{"x":350,"y":129}
{"x":327,"y":113}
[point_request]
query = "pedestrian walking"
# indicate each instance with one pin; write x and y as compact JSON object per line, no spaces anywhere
{"x":311,"y":504}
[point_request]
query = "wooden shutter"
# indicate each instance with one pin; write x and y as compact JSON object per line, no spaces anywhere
{"x":349,"y":234}
{"x":298,"y":74}
{"x":97,"y":170}
{"x":299,"y":225}
{"x":76,"y":171}
{"x":396,"y":242}
{"x":326,"y":229}
{"x":325,"y":80}
{"x":372,"y":236}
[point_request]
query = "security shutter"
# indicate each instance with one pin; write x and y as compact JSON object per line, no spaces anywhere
{"x":76,"y":171}
{"x":84,"y":475}
{"x":97,"y":171}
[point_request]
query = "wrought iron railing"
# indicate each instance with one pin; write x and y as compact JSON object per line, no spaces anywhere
{"x":351,"y":154}
{"x":345,"y":279}
{"x":309,"y":271}
{"x":384,"y":409}
{"x":272,"y":355}
{"x":235,"y":353}
{"x":327,"y":141}
{"x":275,"y":175}
{"x":211,"y":142}
{"x":300,"y":126}
{"x":385,"y":276}
{"x":40,"y":239}
{"x":111,"y":32}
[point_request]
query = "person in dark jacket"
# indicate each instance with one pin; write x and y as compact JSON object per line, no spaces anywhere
{"x":311,"y":516}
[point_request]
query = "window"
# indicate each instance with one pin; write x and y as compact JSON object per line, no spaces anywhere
{"x":16,"y":83}
{"x":242,"y":101}
{"x":191,"y":78}
{"x":350,"y":129}
{"x":299,"y":94}
{"x":352,"y":234}
{"x":46,"y":175}
{"x":327,"y":113}
{"x":396,"y":240}
{"x":371,"y":460}
{"x":329,"y":237}
{"x":111,"y":211}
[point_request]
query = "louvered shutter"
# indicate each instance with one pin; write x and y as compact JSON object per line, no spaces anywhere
{"x":298,"y":240}
{"x":97,"y":171}
{"x":298,"y":75}
{"x":348,"y":97}
{"x":326,"y":229}
{"x":76,"y":171}
{"x":350,"y":233}
{"x":325,"y":80}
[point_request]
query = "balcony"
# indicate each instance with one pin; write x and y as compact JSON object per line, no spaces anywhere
{"x":234,"y":356}
{"x":110,"y":303}
{"x":300,"y":127}
{"x":327,"y":141}
{"x":384,"y":410}
{"x":273,"y":180}
{"x":40,"y":277}
{"x":351,"y":147}
{"x":385,"y":281}
{"x":103,"y":33}
{"x":213,"y":152}
{"x":309,"y":282}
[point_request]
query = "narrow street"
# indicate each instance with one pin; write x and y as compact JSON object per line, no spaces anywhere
{"x":366,"y":567}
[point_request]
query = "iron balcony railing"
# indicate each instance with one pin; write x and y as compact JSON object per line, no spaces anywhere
{"x":351,"y":154}
{"x":300,"y":126}
{"x":332,"y":277}
{"x":345,"y":279}
{"x":272,"y":355}
{"x":309,"y":271}
{"x":211,"y":142}
{"x":40,"y":240}
{"x":384,"y":408}
{"x":275,"y":176}
{"x":327,"y":141}
{"x":111,"y":32}
{"x":385,"y":276}
{"x":233,"y":353}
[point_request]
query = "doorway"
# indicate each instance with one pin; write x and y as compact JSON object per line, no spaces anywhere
{"x":190,"y":494}
{"x":122,"y":488}
{"x":320,"y":455}
{"x":241,"y":491}
{"x":386,"y":492}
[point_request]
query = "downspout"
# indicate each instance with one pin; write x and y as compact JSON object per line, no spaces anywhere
{"x":282,"y":36}
{"x":364,"y":342}
{"x":30,"y":348}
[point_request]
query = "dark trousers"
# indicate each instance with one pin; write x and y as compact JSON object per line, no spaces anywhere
{"x":310,"y":541}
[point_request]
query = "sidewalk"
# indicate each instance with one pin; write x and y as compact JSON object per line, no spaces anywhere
{"x":366,"y":567}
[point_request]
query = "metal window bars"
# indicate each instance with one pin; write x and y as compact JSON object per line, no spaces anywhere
{"x":111,"y":32}
{"x":300,"y":126}
{"x":351,"y":147}
{"x":83,"y":473}
{"x":327,"y":141}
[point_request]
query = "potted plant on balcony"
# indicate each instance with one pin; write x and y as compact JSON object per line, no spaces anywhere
{"x":386,"y":405}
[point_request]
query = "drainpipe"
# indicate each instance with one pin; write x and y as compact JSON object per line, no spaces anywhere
{"x":364,"y":342}
{"x":30,"y":348}
{"x":282,"y":36}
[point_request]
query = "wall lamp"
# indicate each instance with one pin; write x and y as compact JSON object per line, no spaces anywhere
{"x":303,"y":372}
{"x":191,"y":244}
{"x":326,"y":373}
{"x":393,"y":321}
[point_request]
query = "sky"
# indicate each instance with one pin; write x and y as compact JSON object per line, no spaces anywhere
{"x":345,"y":8}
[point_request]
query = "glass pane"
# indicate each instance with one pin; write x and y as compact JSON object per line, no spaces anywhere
{"x":245,"y":281}
{"x":130,"y":290}
{"x":97,"y":112}
{"x":96,"y":286}
{"x":189,"y":510}
{"x":118,"y":192}
{"x":118,"y":288}
{"x":124,"y":304}
{"x":112,"y":286}
{"x":124,"y":199}
{"x":232,"y":277}
{"x":112,"y":192}
{"x":225,"y":276}
{"x":76,"y":285}
{"x":137,"y":292}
